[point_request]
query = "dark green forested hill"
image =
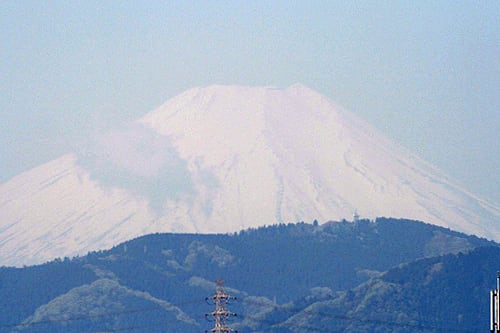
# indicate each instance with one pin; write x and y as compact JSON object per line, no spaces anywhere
{"x":441,"y":294}
{"x":158,"y":283}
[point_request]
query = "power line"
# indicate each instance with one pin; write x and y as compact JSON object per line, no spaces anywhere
{"x":290,"y":310}
{"x":139,"y":327}
{"x":92,"y":316}
{"x":294,"y":310}
{"x":378,"y":323}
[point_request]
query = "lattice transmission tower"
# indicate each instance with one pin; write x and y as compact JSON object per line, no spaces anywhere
{"x":495,"y":308}
{"x":221,"y":315}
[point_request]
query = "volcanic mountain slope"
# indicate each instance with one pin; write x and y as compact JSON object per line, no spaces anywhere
{"x":220,"y":159}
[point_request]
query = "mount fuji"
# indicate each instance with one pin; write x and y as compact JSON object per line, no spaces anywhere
{"x":221,"y":159}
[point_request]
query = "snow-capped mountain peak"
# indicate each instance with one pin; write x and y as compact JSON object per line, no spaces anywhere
{"x":223,"y":158}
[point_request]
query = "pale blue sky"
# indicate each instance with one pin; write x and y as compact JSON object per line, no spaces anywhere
{"x":424,"y":72}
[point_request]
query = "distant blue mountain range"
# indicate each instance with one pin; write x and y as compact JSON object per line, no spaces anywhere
{"x":387,"y":275}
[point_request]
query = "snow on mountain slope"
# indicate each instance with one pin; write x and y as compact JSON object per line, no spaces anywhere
{"x":220,"y":159}
{"x":294,"y":155}
{"x":55,"y":210}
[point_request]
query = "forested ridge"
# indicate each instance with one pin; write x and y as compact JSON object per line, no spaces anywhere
{"x":387,"y":275}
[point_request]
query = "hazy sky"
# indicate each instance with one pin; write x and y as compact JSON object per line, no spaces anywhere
{"x":427,"y":73}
